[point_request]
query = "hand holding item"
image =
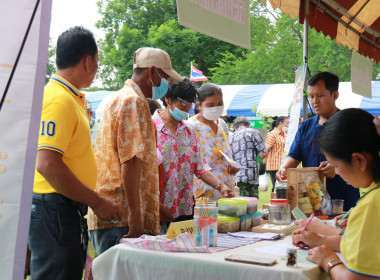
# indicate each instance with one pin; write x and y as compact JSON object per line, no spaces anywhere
{"x":297,"y":242}
{"x":225,"y":191}
{"x":327,"y":169}
{"x":337,"y":218}
{"x":231,"y":169}
{"x":281,"y":174}
{"x":343,"y":224}
{"x":165,"y":215}
{"x":340,"y":221}
{"x":313,"y":225}
{"x":136,"y":227}
{"x":107,"y":210}
{"x":300,"y":223}
{"x":321,"y":255}
{"x":307,"y":239}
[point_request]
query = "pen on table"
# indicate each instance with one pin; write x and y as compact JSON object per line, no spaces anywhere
{"x":307,"y":222}
{"x":344,"y":217}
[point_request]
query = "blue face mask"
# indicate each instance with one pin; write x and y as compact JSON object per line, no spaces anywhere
{"x":160,"y":91}
{"x":178,"y":114}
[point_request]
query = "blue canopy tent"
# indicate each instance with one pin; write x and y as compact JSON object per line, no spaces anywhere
{"x":372,"y":105}
{"x":95,"y":98}
{"x":269,"y":100}
{"x":275,"y":100}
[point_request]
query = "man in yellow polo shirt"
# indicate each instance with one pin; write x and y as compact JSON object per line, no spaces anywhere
{"x":65,"y":169}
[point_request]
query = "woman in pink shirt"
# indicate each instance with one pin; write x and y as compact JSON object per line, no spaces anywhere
{"x":178,"y":151}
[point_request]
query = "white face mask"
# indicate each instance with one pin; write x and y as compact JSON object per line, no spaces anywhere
{"x":284,"y":129}
{"x":213,"y":113}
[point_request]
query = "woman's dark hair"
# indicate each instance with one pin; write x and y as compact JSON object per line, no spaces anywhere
{"x":73,"y":45}
{"x":185,"y":90}
{"x":208,"y":90}
{"x":196,"y":109}
{"x":351,"y":131}
{"x":277,"y":121}
{"x":153,"y":106}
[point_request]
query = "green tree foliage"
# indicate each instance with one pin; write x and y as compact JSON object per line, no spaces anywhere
{"x":276,"y":39}
{"x":277,"y":47}
{"x":50,"y":69}
{"x":131,"y":24}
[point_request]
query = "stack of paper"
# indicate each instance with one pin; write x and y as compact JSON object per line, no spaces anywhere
{"x":255,"y":235}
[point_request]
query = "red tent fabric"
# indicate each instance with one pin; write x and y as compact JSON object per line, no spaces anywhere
{"x":353,"y":23}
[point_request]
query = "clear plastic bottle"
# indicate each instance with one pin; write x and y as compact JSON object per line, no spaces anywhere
{"x":206,"y":223}
{"x":279,"y":212}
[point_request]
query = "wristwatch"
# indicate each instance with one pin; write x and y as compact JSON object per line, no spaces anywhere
{"x":331,"y":264}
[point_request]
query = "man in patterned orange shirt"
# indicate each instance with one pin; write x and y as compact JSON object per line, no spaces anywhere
{"x":125,"y":151}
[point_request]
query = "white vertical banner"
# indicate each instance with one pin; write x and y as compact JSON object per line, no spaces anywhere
{"x":19,"y":123}
{"x":295,"y":108}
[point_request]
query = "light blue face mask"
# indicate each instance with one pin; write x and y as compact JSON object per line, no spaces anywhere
{"x":178,"y":114}
{"x":160,"y":91}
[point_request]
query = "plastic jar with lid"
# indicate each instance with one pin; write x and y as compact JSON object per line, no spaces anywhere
{"x":206,"y":223}
{"x":232,"y":207}
{"x":228,"y":224}
{"x":279,"y":212}
{"x":256,"y":218}
{"x":245,"y":222}
{"x":252,"y":203}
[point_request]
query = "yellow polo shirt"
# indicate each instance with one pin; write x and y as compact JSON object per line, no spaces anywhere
{"x":64,"y":129}
{"x":360,"y":244}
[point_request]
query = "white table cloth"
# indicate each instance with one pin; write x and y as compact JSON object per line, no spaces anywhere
{"x":123,"y":262}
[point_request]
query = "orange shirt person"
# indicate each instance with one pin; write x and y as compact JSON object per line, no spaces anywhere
{"x":126,"y":154}
{"x":275,"y":144}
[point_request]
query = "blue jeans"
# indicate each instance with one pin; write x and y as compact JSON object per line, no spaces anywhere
{"x":55,"y":241}
{"x":272,"y":174}
{"x":105,"y":238}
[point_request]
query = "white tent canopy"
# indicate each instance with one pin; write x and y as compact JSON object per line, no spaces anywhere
{"x":269,"y":100}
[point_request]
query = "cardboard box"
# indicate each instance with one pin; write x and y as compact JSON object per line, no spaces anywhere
{"x":296,"y":184}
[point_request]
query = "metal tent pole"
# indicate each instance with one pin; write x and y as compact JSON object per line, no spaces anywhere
{"x":305,"y":53}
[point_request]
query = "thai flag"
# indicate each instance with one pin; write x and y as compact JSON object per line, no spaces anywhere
{"x":196,"y":75}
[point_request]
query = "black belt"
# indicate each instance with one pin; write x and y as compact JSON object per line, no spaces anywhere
{"x":56,"y":197}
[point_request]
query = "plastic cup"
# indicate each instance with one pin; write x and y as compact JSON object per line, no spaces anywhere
{"x":337,"y":206}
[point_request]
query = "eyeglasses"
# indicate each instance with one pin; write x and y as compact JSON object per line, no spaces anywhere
{"x":185,"y":103}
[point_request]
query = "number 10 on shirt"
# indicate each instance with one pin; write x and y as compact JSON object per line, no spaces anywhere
{"x":47,"y":128}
